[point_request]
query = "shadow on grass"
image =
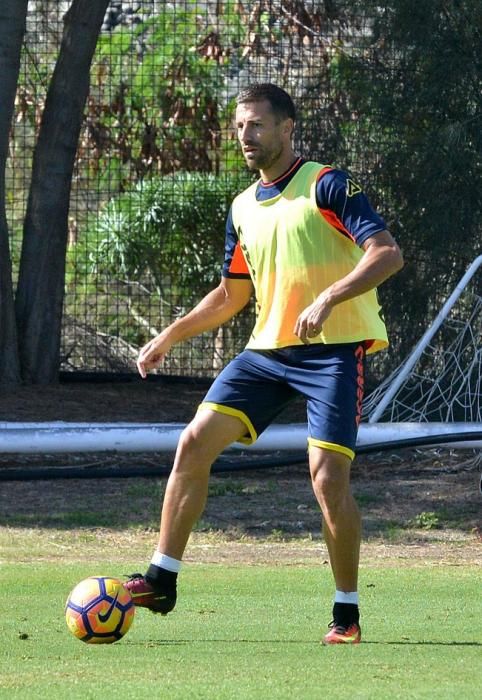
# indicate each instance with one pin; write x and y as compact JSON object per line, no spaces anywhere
{"x":407,"y":642}
{"x":249,"y":503}
{"x":403,"y":642}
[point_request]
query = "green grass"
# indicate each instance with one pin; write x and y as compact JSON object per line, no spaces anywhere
{"x":248,"y":632}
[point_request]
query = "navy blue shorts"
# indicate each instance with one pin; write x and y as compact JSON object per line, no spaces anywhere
{"x":258,"y":384}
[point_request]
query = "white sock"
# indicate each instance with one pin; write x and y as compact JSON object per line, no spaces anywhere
{"x":341,"y":597}
{"x":165,"y":562}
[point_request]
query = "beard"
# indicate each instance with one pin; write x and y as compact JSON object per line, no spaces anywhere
{"x":263,"y":158}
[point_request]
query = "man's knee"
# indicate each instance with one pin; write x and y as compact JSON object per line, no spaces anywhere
{"x":330,"y":475}
{"x":194,"y":444}
{"x":206,"y":436}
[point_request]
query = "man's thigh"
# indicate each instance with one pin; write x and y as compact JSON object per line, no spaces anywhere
{"x":209,"y":433}
{"x":251,"y":388}
{"x":332,"y":382}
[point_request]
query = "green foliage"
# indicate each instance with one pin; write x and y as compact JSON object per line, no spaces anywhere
{"x":390,"y":90}
{"x":415,"y":92}
{"x":426,"y":520}
{"x":157,"y":103}
{"x":169,"y":230}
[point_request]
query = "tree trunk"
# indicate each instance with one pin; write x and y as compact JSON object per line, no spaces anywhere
{"x":40,"y":291}
{"x":13,"y":14}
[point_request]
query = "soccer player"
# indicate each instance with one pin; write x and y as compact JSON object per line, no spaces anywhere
{"x":306,"y":241}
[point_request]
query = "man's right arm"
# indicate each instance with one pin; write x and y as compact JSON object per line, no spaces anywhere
{"x":217,"y":307}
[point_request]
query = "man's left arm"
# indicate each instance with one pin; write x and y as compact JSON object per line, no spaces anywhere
{"x":382,"y":258}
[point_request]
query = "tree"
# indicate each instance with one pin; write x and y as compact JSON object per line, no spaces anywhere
{"x":12,"y":29}
{"x":30,"y":336}
{"x":417,"y":87}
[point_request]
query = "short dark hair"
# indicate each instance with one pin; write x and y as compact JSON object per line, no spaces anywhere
{"x":281,"y":103}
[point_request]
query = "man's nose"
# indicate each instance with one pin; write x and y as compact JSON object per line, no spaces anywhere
{"x":244,"y":133}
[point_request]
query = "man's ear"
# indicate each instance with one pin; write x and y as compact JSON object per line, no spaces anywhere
{"x":288,"y":126}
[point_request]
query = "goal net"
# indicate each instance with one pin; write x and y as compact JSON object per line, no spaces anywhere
{"x":442,"y":379}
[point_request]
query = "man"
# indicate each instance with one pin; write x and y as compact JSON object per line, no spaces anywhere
{"x":306,"y":240}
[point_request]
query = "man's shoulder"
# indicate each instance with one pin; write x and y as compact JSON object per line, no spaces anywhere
{"x":249,"y":191}
{"x":314,"y":170}
{"x":317,"y":165}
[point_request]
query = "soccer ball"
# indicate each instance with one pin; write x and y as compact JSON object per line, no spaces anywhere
{"x":99,"y":610}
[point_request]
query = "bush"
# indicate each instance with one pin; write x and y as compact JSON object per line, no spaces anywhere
{"x":168,"y":230}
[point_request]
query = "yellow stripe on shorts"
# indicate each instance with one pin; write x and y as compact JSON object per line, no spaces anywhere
{"x":331,"y":446}
{"x":229,"y":411}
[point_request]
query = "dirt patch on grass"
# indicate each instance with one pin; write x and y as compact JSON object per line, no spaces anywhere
{"x":415,"y":503}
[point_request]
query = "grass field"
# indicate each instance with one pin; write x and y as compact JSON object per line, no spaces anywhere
{"x":239,"y":630}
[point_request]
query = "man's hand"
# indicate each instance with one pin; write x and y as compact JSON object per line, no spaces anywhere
{"x":381,"y":259}
{"x":152,"y":355}
{"x":310,"y":322}
{"x":217,"y":307}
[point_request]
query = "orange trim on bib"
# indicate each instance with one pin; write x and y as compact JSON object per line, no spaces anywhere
{"x":238,"y":262}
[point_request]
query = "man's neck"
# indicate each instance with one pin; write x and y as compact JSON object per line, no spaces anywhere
{"x":282,"y":165}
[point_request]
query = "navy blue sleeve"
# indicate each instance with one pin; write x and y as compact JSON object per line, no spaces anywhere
{"x":337,"y":194}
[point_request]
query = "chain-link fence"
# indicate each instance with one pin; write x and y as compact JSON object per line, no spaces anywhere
{"x":157,"y":162}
